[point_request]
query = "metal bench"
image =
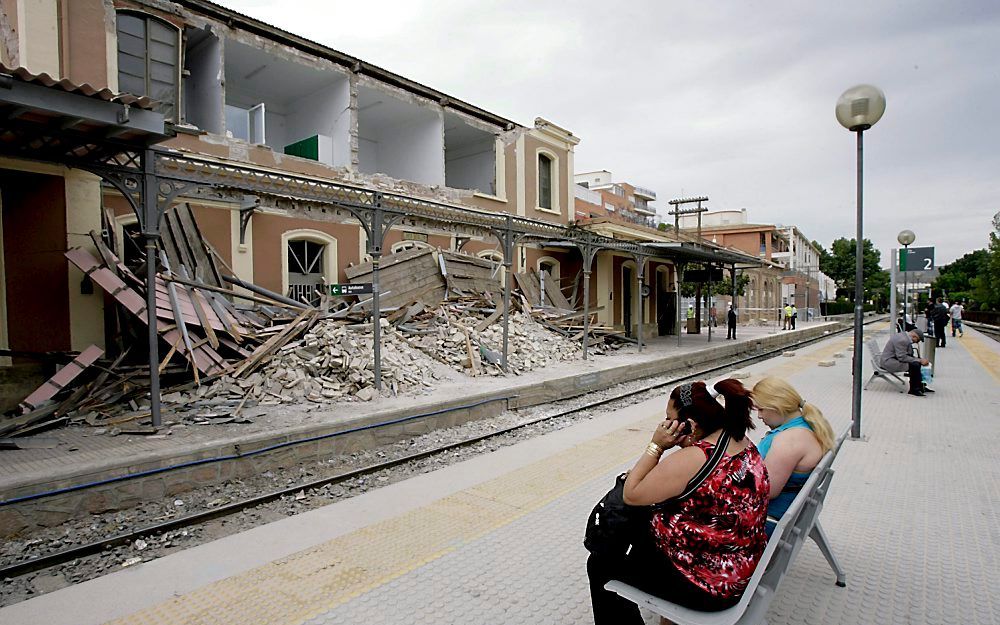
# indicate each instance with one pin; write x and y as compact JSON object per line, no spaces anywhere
{"x":801,"y":520}
{"x":880,"y":372}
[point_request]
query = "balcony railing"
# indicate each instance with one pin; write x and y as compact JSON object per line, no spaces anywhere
{"x":646,"y":193}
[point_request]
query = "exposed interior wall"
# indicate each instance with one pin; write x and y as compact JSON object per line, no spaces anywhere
{"x":38,"y":40}
{"x":300,"y":101}
{"x":34,"y":241}
{"x":469,"y":156}
{"x":202,"y":90}
{"x":404,"y":140}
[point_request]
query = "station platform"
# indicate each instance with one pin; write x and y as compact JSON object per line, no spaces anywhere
{"x":912,"y":516}
{"x":39,"y":481}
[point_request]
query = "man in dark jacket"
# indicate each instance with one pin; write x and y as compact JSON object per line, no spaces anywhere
{"x":940,"y":316}
{"x":731,"y":323}
{"x":898,"y":357}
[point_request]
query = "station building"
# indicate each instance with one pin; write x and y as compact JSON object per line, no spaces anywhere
{"x":239,"y":93}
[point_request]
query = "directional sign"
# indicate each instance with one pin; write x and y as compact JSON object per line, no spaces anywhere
{"x":363,"y":288}
{"x":916,"y":259}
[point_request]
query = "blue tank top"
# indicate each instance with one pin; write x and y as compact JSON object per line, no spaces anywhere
{"x":796,"y":480}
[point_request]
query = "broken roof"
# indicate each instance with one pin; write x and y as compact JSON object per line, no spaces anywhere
{"x":85,"y":89}
{"x":245,"y":22}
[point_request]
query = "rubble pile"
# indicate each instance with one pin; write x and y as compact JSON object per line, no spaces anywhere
{"x":332,"y":361}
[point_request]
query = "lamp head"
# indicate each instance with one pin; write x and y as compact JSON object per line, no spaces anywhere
{"x":906,"y":237}
{"x":860,"y":107}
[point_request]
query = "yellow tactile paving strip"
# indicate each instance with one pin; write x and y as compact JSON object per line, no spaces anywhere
{"x":299,"y":587}
{"x":981,"y":352}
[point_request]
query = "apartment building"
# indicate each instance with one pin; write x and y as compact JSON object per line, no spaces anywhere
{"x":620,"y":201}
{"x":802,"y":283}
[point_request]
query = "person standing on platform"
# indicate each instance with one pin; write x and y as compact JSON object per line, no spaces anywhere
{"x":788,"y":317}
{"x":940,"y":316}
{"x":795,"y":315}
{"x":956,"y":318}
{"x":731,"y":323}
{"x":898,"y":357}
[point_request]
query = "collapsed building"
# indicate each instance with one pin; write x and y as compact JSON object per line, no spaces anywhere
{"x":297,"y":164}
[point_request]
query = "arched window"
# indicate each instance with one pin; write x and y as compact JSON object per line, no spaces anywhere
{"x":494,"y":256}
{"x":402,"y":246}
{"x":545,"y":181}
{"x":309,"y":263}
{"x":148,"y":59}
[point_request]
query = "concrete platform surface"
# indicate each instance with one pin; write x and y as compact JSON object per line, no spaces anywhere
{"x":912,"y":516}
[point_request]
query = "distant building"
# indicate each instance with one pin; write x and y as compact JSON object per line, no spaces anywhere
{"x":620,"y":201}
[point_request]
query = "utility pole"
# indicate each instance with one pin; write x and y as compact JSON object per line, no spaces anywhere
{"x":677,"y":211}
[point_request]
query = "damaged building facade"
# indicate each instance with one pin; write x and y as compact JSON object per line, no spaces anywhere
{"x":238,"y":90}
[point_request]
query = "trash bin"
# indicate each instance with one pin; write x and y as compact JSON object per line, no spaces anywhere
{"x":692,"y":326}
{"x":929,"y":347}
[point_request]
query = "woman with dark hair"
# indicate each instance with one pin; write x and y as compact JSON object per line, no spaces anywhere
{"x":700,"y":551}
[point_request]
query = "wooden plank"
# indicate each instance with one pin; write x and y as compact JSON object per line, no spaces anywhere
{"x":197,"y":246}
{"x":387,"y":261}
{"x":553,"y":293}
{"x":199,"y":310}
{"x":61,"y":379}
{"x":264,"y":352}
{"x":210,"y":363}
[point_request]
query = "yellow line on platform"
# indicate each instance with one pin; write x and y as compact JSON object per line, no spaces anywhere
{"x":309,"y":583}
{"x":988,"y":358}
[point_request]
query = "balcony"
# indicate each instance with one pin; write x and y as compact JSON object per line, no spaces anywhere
{"x":646,"y":193}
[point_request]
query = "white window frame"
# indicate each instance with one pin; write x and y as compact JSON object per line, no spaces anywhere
{"x":409,"y":244}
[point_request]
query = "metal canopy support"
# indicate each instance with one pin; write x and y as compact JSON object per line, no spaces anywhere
{"x":150,"y":221}
{"x":640,"y":263}
{"x":709,"y":311}
{"x":588,"y":249}
{"x":508,"y":238}
{"x":678,"y":270}
{"x":376,"y":225}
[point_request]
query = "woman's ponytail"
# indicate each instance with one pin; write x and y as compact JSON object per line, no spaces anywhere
{"x":820,"y":426}
{"x":739,"y":400}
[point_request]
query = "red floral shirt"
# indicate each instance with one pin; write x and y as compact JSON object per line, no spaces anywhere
{"x":716,"y":536}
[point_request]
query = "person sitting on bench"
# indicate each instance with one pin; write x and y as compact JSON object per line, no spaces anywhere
{"x":700,"y":551}
{"x":898,"y":357}
{"x":800,"y":435}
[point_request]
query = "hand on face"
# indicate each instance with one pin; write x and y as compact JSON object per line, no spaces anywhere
{"x":670,"y":432}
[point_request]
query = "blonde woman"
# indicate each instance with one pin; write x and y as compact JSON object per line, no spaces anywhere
{"x":800,"y":435}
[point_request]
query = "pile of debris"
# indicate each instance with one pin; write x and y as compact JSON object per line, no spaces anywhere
{"x":221,"y":359}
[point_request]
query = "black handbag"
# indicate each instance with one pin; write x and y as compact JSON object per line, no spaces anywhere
{"x":614,"y":526}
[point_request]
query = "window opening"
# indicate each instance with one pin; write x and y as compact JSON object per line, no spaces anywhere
{"x":544,"y":181}
{"x":305,"y":270}
{"x":148,"y":60}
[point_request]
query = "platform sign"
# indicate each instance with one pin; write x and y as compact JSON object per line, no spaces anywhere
{"x":702,"y":275}
{"x":917,"y":259}
{"x":363,"y":288}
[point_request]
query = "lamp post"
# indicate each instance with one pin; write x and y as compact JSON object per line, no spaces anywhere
{"x":858,"y":109}
{"x":906,"y":239}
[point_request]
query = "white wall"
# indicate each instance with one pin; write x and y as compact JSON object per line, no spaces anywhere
{"x":472,"y":166}
{"x":325,"y":113}
{"x":410,"y":150}
{"x":203,"y":93}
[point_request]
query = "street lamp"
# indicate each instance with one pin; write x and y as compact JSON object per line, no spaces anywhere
{"x":906,"y":239}
{"x":858,"y":109}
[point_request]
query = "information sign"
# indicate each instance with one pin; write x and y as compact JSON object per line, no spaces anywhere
{"x":363,"y":288}
{"x":916,"y":259}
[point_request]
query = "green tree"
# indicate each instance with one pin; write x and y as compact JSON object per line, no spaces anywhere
{"x":824,"y":257}
{"x":986,"y":286}
{"x":840,"y":268}
{"x":956,"y":279}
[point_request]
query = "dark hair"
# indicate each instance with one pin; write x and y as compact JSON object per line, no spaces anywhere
{"x":710,"y":415}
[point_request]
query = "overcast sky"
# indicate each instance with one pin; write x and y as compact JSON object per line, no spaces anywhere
{"x":729,"y":99}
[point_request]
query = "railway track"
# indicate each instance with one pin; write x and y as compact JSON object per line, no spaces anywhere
{"x":991,"y":331}
{"x":65,"y":556}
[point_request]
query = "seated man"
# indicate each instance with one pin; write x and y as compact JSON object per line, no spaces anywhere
{"x":898,"y":357}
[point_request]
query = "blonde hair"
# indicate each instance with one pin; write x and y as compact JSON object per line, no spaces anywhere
{"x":777,"y":394}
